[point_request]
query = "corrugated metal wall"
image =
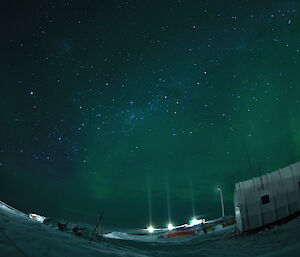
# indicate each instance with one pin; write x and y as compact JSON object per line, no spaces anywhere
{"x":263,"y":200}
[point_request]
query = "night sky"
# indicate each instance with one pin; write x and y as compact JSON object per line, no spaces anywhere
{"x":121,"y":105}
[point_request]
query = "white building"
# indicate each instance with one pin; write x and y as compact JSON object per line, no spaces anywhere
{"x":268,"y":199}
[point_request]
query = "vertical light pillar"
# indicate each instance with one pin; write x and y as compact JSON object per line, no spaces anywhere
{"x":222,"y":203}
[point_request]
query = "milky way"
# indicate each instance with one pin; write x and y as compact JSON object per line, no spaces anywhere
{"x":100,"y":97}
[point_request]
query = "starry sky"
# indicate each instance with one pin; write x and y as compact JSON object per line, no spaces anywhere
{"x":141,"y":108}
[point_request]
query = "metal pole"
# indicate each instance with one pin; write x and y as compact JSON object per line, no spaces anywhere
{"x":222,"y":203}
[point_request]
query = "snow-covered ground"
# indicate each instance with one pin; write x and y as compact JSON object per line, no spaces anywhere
{"x":21,"y":236}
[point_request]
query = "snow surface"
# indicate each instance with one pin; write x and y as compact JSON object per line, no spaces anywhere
{"x":153,"y":238}
{"x":21,"y":236}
